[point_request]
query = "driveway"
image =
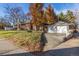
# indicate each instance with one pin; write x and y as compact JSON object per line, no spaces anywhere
{"x":68,"y":48}
{"x":53,"y":40}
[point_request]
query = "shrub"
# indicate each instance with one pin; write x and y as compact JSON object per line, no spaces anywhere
{"x":30,"y":40}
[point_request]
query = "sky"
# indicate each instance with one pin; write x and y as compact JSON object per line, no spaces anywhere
{"x":58,"y":7}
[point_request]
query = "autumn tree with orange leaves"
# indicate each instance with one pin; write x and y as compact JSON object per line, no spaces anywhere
{"x":36,"y":11}
{"x":50,"y":15}
{"x":41,"y":16}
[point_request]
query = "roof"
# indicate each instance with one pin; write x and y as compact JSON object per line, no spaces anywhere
{"x":61,"y":23}
{"x":28,"y":21}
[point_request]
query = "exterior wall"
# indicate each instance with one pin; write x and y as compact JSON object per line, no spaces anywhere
{"x":58,"y":29}
{"x":62,"y":29}
{"x":25,"y":26}
{"x":52,"y":29}
{"x":28,"y":26}
{"x":8,"y":28}
{"x":34,"y":27}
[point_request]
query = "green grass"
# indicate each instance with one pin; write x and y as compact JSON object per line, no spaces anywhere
{"x":23,"y":38}
{"x":7,"y":34}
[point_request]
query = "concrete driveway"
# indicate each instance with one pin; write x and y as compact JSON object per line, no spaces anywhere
{"x":68,"y":48}
{"x":53,"y":40}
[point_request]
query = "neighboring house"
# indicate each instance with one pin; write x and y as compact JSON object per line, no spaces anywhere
{"x":23,"y":26}
{"x":26,"y":26}
{"x":60,"y":27}
{"x":8,"y":28}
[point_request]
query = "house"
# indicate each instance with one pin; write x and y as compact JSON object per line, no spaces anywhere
{"x":60,"y":27}
{"x":26,"y":25}
{"x":8,"y":28}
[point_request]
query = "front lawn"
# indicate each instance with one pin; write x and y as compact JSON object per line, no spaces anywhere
{"x":7,"y":34}
{"x":27,"y":39}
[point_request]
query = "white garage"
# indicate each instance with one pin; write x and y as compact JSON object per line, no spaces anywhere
{"x":59,"y":27}
{"x":62,"y":29}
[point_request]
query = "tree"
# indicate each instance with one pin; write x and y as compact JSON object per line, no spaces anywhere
{"x":70,"y":16}
{"x":61,"y":17}
{"x":37,"y":14}
{"x":14,"y":13}
{"x":2,"y":23}
{"x":50,"y":15}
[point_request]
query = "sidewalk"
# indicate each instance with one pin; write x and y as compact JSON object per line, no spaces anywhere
{"x":8,"y":47}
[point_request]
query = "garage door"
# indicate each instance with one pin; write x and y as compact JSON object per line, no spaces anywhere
{"x":62,"y":29}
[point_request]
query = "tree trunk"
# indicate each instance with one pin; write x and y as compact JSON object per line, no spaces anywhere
{"x":18,"y":25}
{"x":37,"y":28}
{"x":44,"y":28}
